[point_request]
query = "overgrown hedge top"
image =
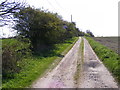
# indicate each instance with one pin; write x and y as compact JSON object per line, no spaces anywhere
{"x":43,"y":27}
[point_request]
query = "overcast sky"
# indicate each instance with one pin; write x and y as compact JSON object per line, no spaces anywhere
{"x":99,"y":16}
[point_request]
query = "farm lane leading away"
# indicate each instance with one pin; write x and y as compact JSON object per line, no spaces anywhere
{"x":93,"y":73}
{"x":63,"y":75}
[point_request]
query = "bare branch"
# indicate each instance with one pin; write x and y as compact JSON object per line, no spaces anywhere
{"x":7,"y":9}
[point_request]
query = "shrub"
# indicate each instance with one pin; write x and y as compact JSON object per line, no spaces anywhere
{"x":12,"y":52}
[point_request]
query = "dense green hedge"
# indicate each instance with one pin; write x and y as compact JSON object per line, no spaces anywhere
{"x":108,"y":57}
{"x":43,"y":28}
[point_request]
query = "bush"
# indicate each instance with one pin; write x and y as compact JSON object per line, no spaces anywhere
{"x":12,"y":52}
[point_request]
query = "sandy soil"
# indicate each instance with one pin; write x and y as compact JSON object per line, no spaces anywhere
{"x":63,"y":75}
{"x":94,"y":73}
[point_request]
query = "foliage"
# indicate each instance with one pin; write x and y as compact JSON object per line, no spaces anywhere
{"x":89,"y":33}
{"x":42,"y":28}
{"x":108,"y":57}
{"x":12,"y":52}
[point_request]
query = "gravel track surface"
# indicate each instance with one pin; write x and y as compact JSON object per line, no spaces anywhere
{"x":94,"y":73}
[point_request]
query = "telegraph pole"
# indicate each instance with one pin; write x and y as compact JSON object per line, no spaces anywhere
{"x":71,"y":18}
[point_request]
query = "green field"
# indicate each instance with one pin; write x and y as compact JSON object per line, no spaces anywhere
{"x":29,"y":67}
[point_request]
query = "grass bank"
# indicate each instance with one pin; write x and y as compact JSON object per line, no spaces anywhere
{"x":33,"y":66}
{"x":110,"y":59}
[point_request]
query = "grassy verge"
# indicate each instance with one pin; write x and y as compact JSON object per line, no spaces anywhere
{"x":110,"y":59}
{"x":79,"y":62}
{"x":82,"y":50}
{"x":34,"y":66}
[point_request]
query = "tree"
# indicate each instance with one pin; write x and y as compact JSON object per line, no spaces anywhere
{"x":71,"y":30}
{"x":7,"y":9}
{"x":41,"y":27}
{"x":89,"y":33}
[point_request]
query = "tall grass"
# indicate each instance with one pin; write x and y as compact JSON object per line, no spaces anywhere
{"x":33,"y":66}
{"x":110,"y":59}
